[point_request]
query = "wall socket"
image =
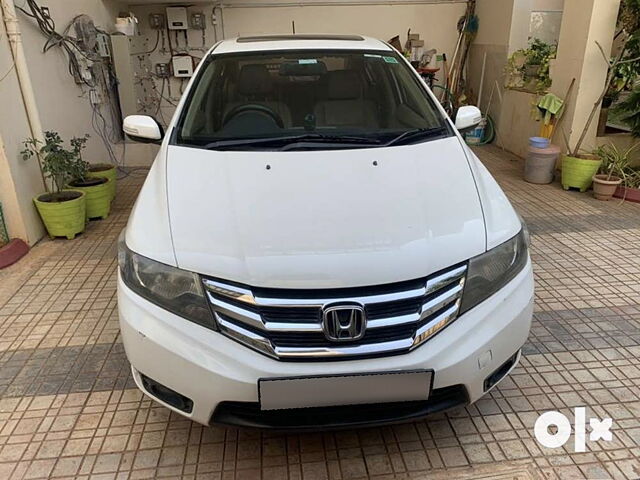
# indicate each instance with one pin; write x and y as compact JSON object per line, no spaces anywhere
{"x":156,"y":21}
{"x":162,"y":70}
{"x":198,"y":21}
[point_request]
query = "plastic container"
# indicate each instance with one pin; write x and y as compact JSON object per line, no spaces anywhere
{"x":539,"y":142}
{"x":540,"y":164}
{"x":578,"y":172}
{"x":474,"y":137}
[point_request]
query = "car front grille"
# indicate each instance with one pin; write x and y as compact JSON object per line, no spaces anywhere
{"x":287,"y":324}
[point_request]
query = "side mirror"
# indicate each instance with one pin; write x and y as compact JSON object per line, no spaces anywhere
{"x":468,"y":118}
{"x":144,"y":129}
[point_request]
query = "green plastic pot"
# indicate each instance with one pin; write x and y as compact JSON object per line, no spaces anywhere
{"x":98,"y":196}
{"x":63,"y":218}
{"x":106,"y":170}
{"x":578,"y":172}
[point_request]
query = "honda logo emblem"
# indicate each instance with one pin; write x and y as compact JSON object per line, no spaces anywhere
{"x":342,"y":323}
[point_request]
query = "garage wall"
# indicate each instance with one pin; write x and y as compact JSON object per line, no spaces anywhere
{"x":435,"y":22}
{"x":63,"y":105}
{"x":504,"y":28}
{"x":19,"y":180}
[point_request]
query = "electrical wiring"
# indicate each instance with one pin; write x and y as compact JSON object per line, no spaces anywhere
{"x":155,"y":47}
{"x":167,"y":99}
{"x":101,"y":84}
{"x":54,"y":39}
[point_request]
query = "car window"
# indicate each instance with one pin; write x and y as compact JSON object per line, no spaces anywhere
{"x":279,"y":94}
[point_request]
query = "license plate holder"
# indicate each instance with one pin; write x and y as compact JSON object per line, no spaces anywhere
{"x":344,"y":389}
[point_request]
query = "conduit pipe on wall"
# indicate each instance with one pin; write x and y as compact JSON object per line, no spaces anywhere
{"x":14,"y":36}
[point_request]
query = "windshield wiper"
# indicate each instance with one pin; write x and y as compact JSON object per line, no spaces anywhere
{"x":292,"y":139}
{"x":415,"y":134}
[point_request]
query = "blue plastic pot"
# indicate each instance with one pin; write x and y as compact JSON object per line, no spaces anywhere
{"x":539,"y":142}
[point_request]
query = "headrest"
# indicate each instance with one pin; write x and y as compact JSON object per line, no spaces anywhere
{"x":254,"y":80}
{"x":343,"y":85}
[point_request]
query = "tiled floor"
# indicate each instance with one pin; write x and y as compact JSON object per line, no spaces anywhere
{"x":68,"y":407}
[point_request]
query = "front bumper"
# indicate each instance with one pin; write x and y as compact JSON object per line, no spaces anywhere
{"x":217,"y":373}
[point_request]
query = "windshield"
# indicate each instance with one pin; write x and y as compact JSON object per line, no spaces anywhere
{"x":307,"y":99}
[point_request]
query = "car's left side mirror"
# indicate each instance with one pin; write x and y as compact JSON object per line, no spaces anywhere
{"x":144,"y":129}
{"x":468,"y":118}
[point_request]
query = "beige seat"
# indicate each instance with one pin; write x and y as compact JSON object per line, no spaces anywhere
{"x":345,"y":105}
{"x":255,"y":86}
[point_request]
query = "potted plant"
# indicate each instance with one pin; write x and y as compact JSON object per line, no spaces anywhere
{"x":578,"y":170}
{"x":528,"y":68}
{"x":106,"y":170}
{"x":62,"y":211}
{"x":613,"y":170}
{"x":97,"y":189}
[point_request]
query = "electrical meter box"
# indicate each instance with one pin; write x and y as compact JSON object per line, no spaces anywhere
{"x":198,"y":21}
{"x":177,"y":18}
{"x":156,"y":21}
{"x":182,"y":66}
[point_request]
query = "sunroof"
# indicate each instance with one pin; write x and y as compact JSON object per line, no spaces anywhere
{"x":275,"y":38}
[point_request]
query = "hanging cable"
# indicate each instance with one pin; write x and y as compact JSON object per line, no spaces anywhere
{"x":155,"y":47}
{"x":68,"y":44}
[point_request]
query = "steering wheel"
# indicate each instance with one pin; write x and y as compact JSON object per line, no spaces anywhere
{"x":255,"y":108}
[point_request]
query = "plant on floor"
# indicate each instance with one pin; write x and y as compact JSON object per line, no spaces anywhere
{"x":529,"y":67}
{"x":614,"y":170}
{"x":97,"y":188}
{"x":62,"y":211}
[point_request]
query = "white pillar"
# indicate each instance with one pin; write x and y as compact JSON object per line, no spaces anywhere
{"x":583,"y":23}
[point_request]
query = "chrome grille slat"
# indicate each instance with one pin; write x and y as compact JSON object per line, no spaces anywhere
{"x":343,"y":351}
{"x":255,"y":320}
{"x":435,"y":325}
{"x":390,"y":321}
{"x":444,"y":279}
{"x":316,"y":302}
{"x":442,"y":300}
{"x":252,"y":319}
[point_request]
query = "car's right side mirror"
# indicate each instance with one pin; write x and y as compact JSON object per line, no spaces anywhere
{"x":468,"y":118}
{"x":142,"y":128}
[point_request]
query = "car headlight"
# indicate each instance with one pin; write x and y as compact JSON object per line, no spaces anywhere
{"x":489,"y":272}
{"x":170,"y":288}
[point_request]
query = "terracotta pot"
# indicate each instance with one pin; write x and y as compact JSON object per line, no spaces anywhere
{"x":629,"y":194}
{"x":604,"y":189}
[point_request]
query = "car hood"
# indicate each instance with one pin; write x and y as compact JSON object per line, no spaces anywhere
{"x":323,"y":219}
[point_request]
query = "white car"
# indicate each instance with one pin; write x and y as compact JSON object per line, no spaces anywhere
{"x":316,"y":247}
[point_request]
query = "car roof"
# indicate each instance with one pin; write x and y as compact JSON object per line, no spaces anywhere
{"x":260,"y":43}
